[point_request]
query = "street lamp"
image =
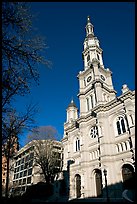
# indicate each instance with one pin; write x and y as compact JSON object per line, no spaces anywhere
{"x":105,"y":174}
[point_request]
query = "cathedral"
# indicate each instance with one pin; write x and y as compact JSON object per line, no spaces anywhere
{"x":98,"y":145}
{"x":99,"y":140}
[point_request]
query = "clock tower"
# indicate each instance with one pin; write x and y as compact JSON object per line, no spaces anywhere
{"x":95,"y":82}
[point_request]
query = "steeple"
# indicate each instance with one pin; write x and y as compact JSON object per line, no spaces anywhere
{"x":89,"y":28}
{"x":95,"y":82}
{"x":92,"y":48}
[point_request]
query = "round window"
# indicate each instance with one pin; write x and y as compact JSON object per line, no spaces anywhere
{"x":102,"y":77}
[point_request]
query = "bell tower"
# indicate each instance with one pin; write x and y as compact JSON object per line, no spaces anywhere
{"x":72,"y":112}
{"x":95,"y":82}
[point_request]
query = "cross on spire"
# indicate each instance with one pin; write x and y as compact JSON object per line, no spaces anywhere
{"x":88,"y":19}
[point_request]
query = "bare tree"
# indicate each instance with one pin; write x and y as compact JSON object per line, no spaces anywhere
{"x":43,"y":133}
{"x":21,"y":51}
{"x":48,"y":156}
{"x":48,"y":151}
{"x":16,"y":123}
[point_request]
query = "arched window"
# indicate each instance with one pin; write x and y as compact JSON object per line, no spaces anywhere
{"x":96,"y":154}
{"x":77,"y":144}
{"x":121,"y":147}
{"x":117,"y":146}
{"x":131,"y":118}
{"x":78,"y":185}
{"x":121,"y":125}
{"x":128,"y":145}
{"x":125,"y":146}
{"x":93,"y":155}
{"x":98,"y":56}
{"x":88,"y":57}
{"x":87,"y":104}
{"x":98,"y":179}
{"x":127,"y":174}
{"x":94,"y":132}
{"x":105,"y":97}
{"x":91,"y":99}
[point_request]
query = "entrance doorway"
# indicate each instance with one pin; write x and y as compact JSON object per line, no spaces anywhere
{"x":78,"y":186}
{"x":127,"y":174}
{"x":98,"y":179}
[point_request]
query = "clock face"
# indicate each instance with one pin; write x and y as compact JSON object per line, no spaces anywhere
{"x":102,"y":77}
{"x":88,"y":79}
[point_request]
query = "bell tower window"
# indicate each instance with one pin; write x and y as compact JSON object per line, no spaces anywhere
{"x":121,"y":127}
{"x":98,"y":56}
{"x":91,"y":98}
{"x":88,"y":58}
{"x":77,"y":144}
{"x":87,"y":104}
{"x":131,"y":119}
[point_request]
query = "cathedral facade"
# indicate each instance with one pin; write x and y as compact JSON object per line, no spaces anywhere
{"x":99,"y":141}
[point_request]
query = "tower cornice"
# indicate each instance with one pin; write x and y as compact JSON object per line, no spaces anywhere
{"x":85,"y":91}
{"x":83,"y":73}
{"x":92,"y":48}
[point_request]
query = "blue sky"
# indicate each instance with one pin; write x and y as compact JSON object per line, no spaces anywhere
{"x":63,"y":26}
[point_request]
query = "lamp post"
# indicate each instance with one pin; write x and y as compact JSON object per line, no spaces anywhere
{"x":105,"y":174}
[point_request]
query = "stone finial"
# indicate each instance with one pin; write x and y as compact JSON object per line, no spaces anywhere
{"x":124,"y":88}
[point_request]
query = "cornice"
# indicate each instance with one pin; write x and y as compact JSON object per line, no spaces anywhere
{"x":108,"y":89}
{"x":101,"y":108}
{"x":71,"y":127}
{"x":64,"y":139}
{"x":91,"y":46}
{"x":108,"y":106}
{"x":129,"y":94}
{"x":93,"y":84}
{"x":84,"y":72}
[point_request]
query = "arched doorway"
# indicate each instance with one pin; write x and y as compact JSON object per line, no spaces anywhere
{"x":127,"y":174}
{"x":98,"y":180}
{"x":78,"y":185}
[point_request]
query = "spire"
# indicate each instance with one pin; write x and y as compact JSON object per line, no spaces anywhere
{"x":88,"y":19}
{"x":92,"y":47}
{"x":72,"y":100}
{"x":89,"y":28}
{"x":72,"y":104}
